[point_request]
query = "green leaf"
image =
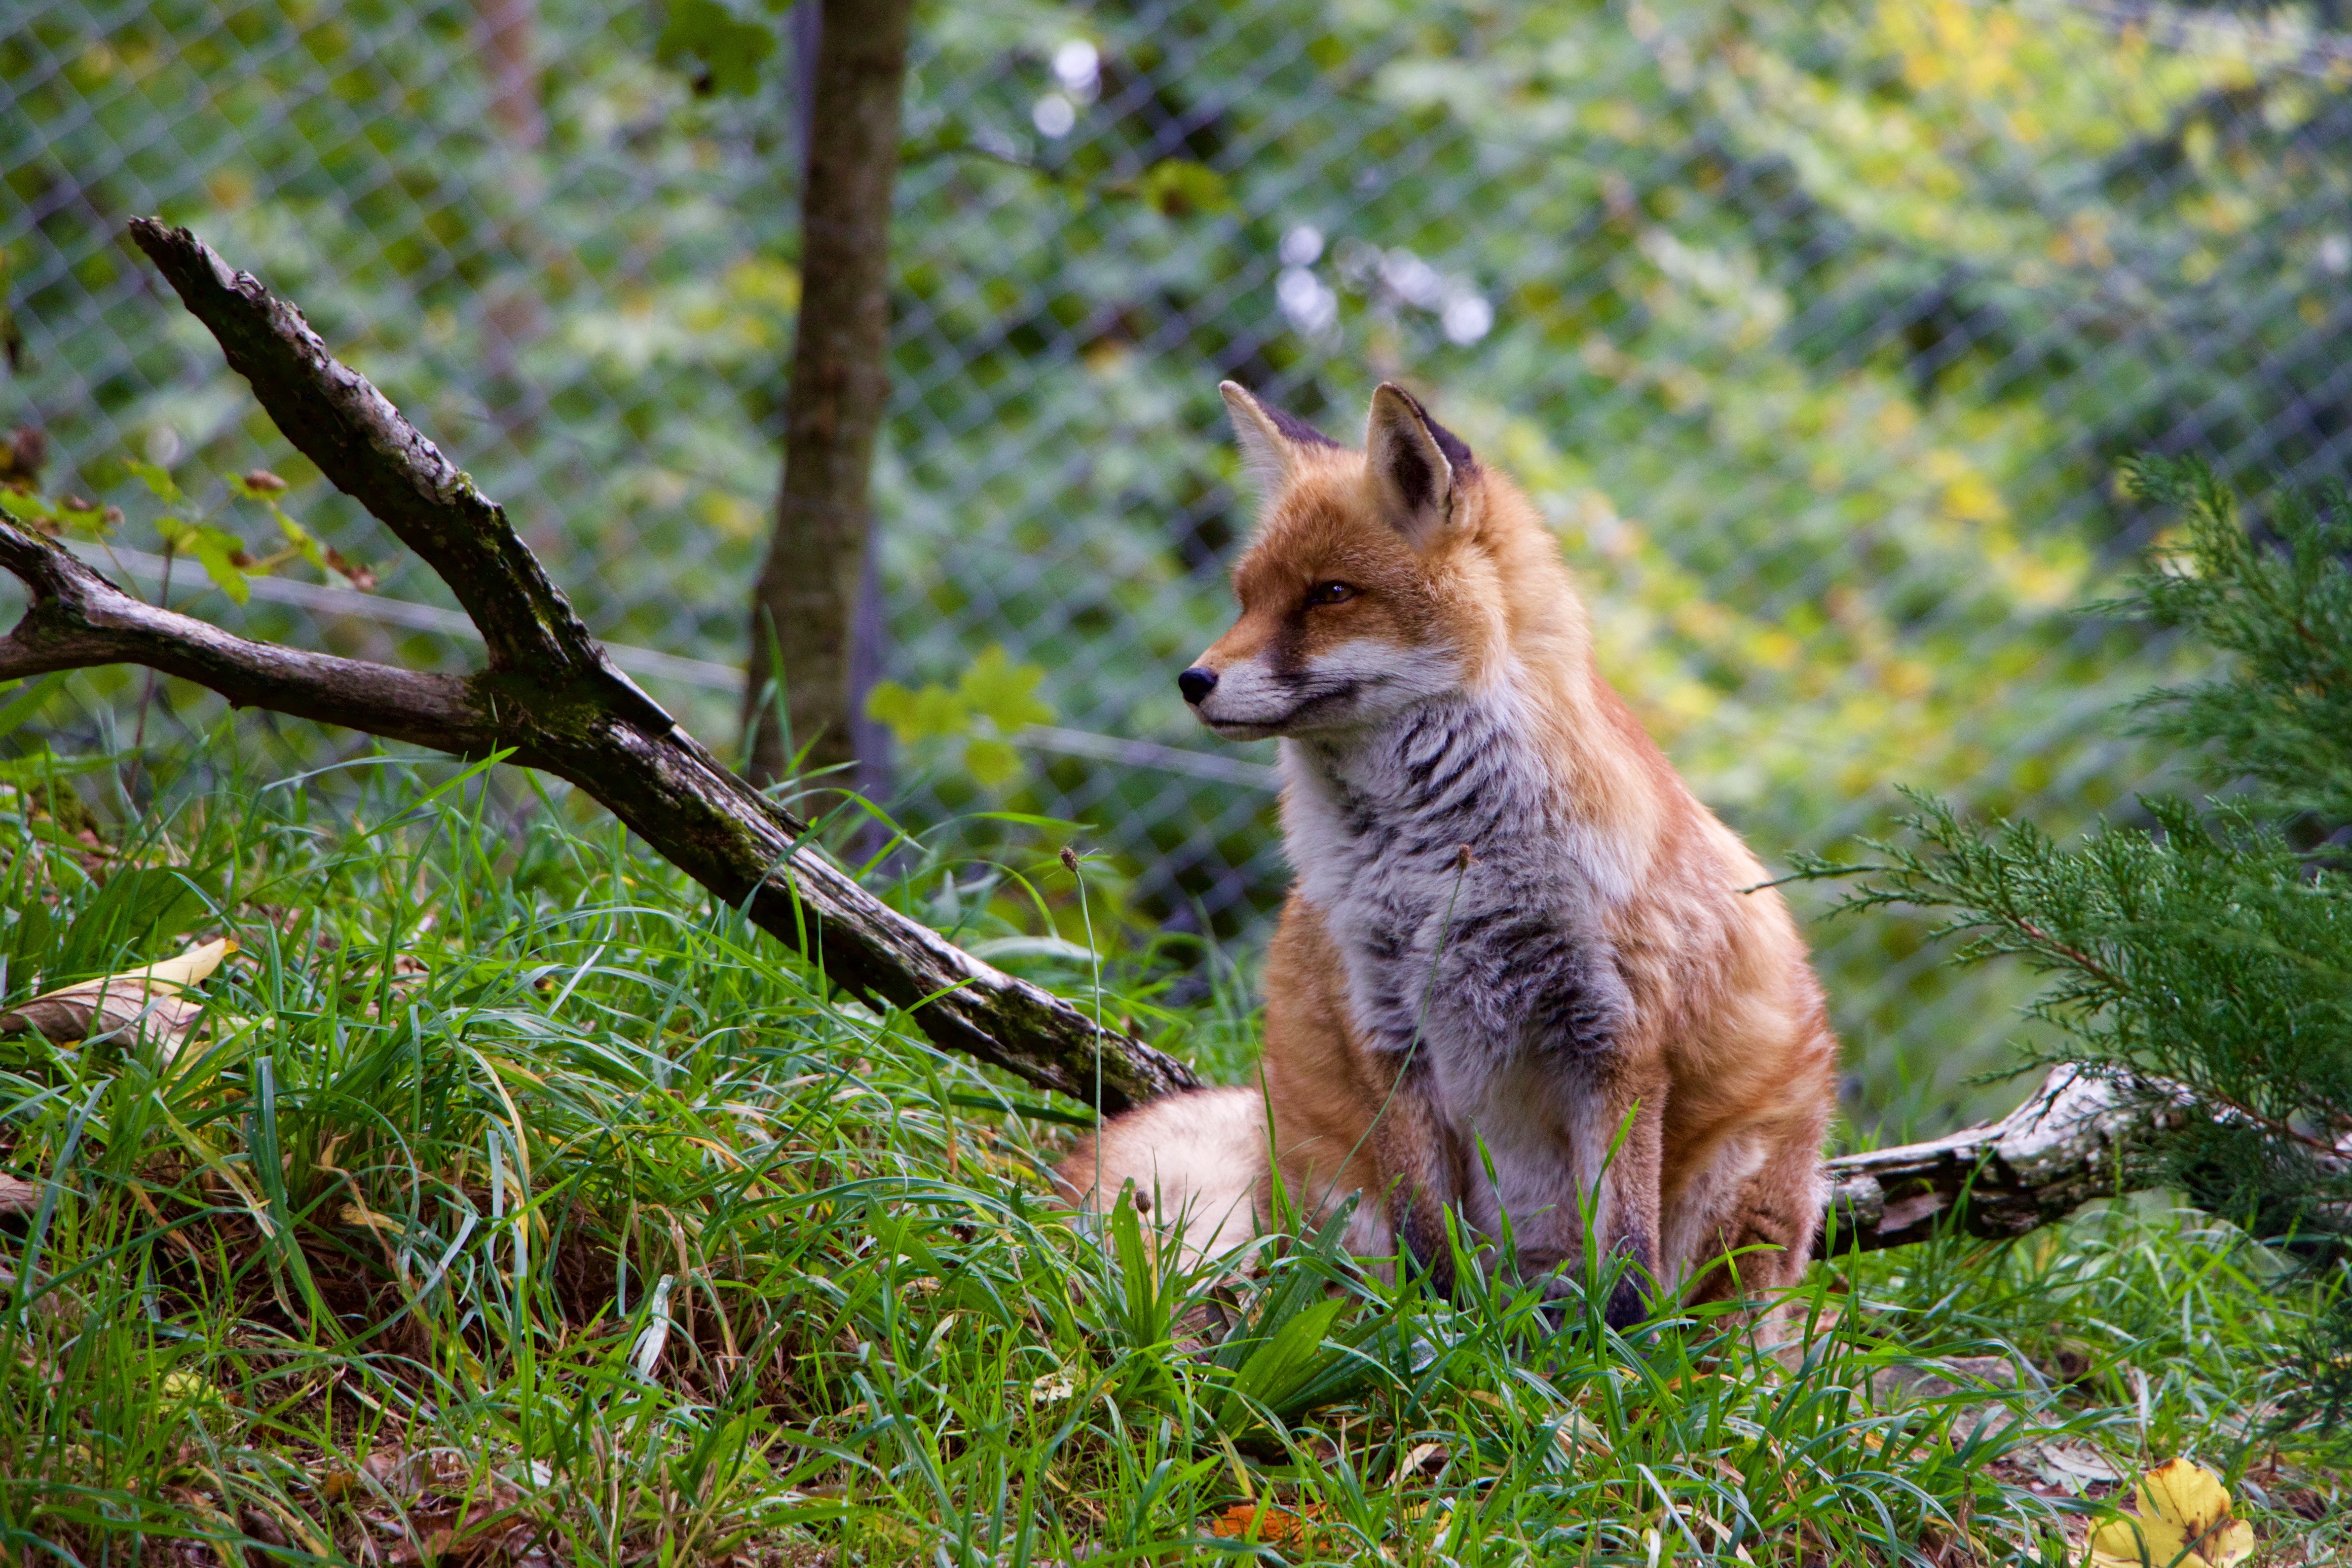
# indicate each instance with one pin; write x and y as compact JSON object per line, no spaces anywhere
{"x":159,"y":477}
{"x":24,"y":506}
{"x":30,"y":940}
{"x":214,"y":549}
{"x":938,"y":711}
{"x":25,"y":706}
{"x":130,"y":920}
{"x":991,"y":762}
{"x":301,"y":539}
{"x":1177,"y":187}
{"x":1278,"y":1365}
{"x":932,"y":712}
{"x":1150,"y":1308}
{"x":214,"y":558}
{"x":892,"y":704}
{"x":993,"y":685}
{"x":731,"y":48}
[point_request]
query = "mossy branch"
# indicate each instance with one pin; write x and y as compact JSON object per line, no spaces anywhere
{"x":550,"y":698}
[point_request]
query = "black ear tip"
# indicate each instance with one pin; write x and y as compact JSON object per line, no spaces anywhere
{"x":1457,"y":450}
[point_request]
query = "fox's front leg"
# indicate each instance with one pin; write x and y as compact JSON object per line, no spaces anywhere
{"x":1615,"y":1121}
{"x":1420,"y":1175}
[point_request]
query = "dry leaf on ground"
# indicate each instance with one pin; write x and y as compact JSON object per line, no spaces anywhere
{"x":1579,"y":1434}
{"x":2066,"y":1465}
{"x":151,"y":1000}
{"x":1425,"y":1459}
{"x":1274,"y":1524}
{"x":2184,"y":1518}
{"x":17,"y":1196}
{"x":436,"y":1505}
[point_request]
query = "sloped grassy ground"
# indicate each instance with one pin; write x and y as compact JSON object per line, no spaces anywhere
{"x":515,"y":1205}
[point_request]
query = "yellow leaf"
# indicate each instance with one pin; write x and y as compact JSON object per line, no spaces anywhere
{"x":187,"y":1388}
{"x":2129,"y":1543}
{"x":2185,"y":1492}
{"x":190,"y":968}
{"x":2233,"y":1543}
{"x":148,"y":998}
{"x":2182,"y":1505}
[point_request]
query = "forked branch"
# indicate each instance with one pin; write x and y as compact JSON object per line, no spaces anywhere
{"x":549,"y":696}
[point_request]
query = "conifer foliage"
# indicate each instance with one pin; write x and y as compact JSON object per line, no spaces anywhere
{"x":2201,"y":959}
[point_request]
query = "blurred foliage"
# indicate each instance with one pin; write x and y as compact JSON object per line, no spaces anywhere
{"x":992,"y":702}
{"x":2206,"y":960}
{"x":1816,"y":329}
{"x":220,"y":551}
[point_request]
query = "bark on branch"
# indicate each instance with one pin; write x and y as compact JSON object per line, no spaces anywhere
{"x":549,"y":697}
{"x":2064,"y":1146}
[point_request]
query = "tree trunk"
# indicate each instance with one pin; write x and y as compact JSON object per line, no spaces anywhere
{"x":805,"y":607}
{"x":508,"y":55}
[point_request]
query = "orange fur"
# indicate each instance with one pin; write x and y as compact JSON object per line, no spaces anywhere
{"x":1716,"y":1055}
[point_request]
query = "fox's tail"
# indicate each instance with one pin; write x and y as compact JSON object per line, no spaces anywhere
{"x":1198,"y":1160}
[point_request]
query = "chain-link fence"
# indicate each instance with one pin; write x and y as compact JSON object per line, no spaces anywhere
{"x":1815,"y":329}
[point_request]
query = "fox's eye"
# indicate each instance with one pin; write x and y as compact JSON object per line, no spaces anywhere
{"x":1329,"y":594}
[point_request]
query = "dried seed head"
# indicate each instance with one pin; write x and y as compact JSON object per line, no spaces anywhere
{"x":1462,"y":857}
{"x":264,"y":482}
{"x":29,"y":448}
{"x":1070,"y":859}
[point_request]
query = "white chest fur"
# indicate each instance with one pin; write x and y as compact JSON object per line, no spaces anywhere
{"x":1476,"y":962}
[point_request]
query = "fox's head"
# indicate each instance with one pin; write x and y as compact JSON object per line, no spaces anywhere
{"x":1377,"y":579}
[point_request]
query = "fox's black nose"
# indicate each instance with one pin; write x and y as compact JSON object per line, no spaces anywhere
{"x":1196,"y":683}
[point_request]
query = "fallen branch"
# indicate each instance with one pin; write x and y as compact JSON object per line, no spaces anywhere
{"x":2061,"y":1148}
{"x":550,"y":698}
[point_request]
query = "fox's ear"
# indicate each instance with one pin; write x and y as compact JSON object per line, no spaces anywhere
{"x":1410,"y":466}
{"x":1269,"y":438}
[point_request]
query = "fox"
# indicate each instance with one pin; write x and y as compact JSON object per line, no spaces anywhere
{"x":1523,"y":979}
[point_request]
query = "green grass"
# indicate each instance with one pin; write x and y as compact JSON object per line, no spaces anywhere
{"x":517,"y":1199}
